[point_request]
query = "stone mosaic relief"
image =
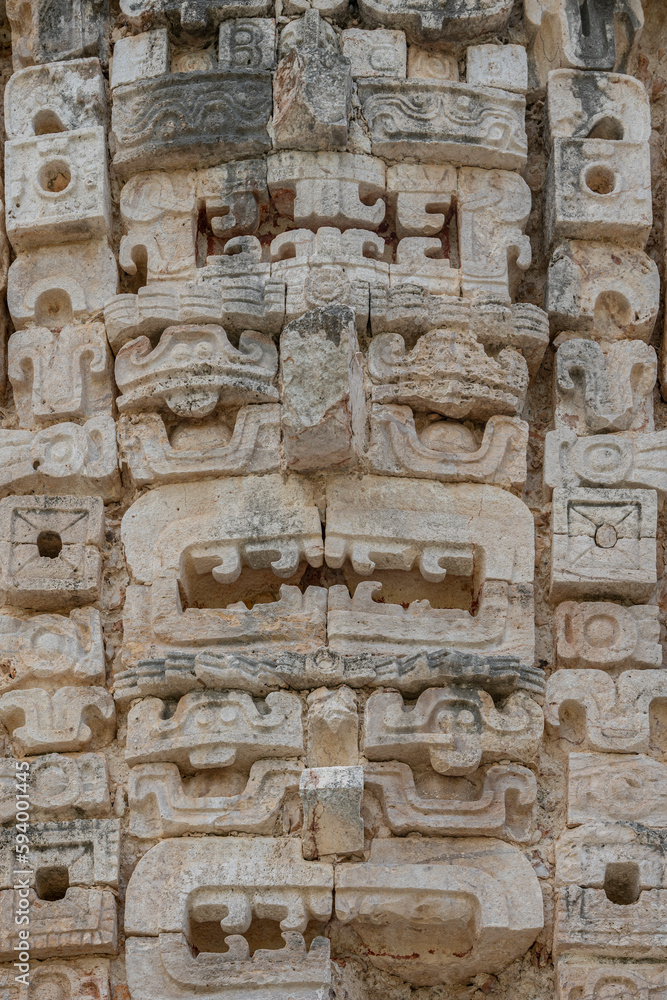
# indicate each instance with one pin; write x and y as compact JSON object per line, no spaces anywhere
{"x":332,"y":472}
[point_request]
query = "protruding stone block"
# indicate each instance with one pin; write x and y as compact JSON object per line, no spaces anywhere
{"x":72,"y":719}
{"x":421,"y":196}
{"x":61,"y":788}
{"x":411,"y":905}
{"x":196,"y":17}
{"x":88,"y":849}
{"x":322,"y":390}
{"x":605,"y":636}
{"x":50,"y":551}
{"x":247,"y":43}
{"x":375,"y":53}
{"x":585,"y":105}
{"x":73,"y":977}
{"x":603,"y":543}
{"x":607,"y":460}
{"x":47,"y":32}
{"x":140,"y":57}
{"x":617,"y":788}
{"x":503,"y":66}
{"x":332,"y":728}
{"x":431,"y":21}
{"x":57,"y":97}
{"x":332,"y":823}
{"x":588,"y":922}
{"x":594,"y":977}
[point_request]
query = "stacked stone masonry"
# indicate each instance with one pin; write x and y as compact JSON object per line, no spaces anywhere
{"x":332,"y":476}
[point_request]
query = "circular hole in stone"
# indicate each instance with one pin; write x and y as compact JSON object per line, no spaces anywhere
{"x":600,"y":179}
{"x":55,"y":176}
{"x":49,"y":544}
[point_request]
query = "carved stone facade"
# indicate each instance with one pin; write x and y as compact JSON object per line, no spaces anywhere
{"x":332,"y":480}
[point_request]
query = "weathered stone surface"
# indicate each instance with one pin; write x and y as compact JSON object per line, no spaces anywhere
{"x":375,"y":53}
{"x":71,"y":978}
{"x":332,"y":823}
{"x":323,"y":413}
{"x":194,"y":17}
{"x":211,"y":729}
{"x":624,"y":859}
{"x":139,"y":57}
{"x":453,"y":730}
{"x":332,"y":728}
{"x":49,"y":651}
{"x":52,"y":286}
{"x":589,"y":105}
{"x":608,"y":460}
{"x":609,"y":715}
{"x":435,"y":120}
{"x":598,"y":189}
{"x":446,"y":449}
{"x":57,"y":97}
{"x":50,"y":551}
{"x":432,"y":63}
{"x":312,"y":88}
{"x":193,"y":368}
{"x":60,"y":375}
{"x":247,"y":43}
{"x":428,"y":21}
{"x":588,"y":922}
{"x":61,"y":788}
{"x":504,"y":807}
{"x":45,"y":32}
{"x":606,"y":636}
{"x":595,"y":978}
{"x":328,"y":189}
{"x":88,"y":848}
{"x":605,"y":292}
{"x":604,"y":387}
{"x":83,"y":922}
{"x":161,"y":804}
{"x":616,"y":787}
{"x":57,"y":188}
{"x":504,"y":66}
{"x":603,"y":543}
{"x":196,"y":450}
{"x":421,"y":196}
{"x":411,"y":905}
{"x":558,"y":36}
{"x":73,"y":718}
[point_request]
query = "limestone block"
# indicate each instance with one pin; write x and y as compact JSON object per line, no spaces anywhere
{"x":46,"y":32}
{"x":616,"y":787}
{"x":421,"y":196}
{"x":498,"y":674}
{"x":588,"y":922}
{"x":57,"y":97}
{"x":162,"y":805}
{"x":430,"y":21}
{"x":624,"y":859}
{"x":328,"y":268}
{"x":192,"y":18}
{"x":614,"y":714}
{"x":70,"y":978}
{"x":139,"y":57}
{"x":504,"y":66}
{"x":49,"y":651}
{"x":501,"y":625}
{"x":215,"y":729}
{"x":493,"y":209}
{"x":375,"y":53}
{"x":503,"y":809}
{"x":155,"y":623}
{"x":446,"y":449}
{"x":57,"y":188}
{"x":53,"y":285}
{"x":64,"y":374}
{"x":420,"y":260}
{"x":262,"y":523}
{"x":558,"y":36}
{"x":83,"y":922}
{"x":197,"y":450}
{"x":65,"y":458}
{"x":88,"y":848}
{"x":606,"y":636}
{"x":595,"y":978}
{"x":323,"y":412}
{"x":312,"y":88}
{"x":602,"y":291}
{"x":328,"y":189}
{"x":229,"y":879}
{"x":597,"y":106}
{"x":332,"y":823}
{"x":447,"y":372}
{"x":247,"y":43}
{"x":61,"y":788}
{"x":71,"y":719}
{"x":453,"y":730}
{"x":412,"y":904}
{"x":604,"y":387}
{"x":522,"y":326}
{"x":214,"y":115}
{"x":379,"y":523}
{"x":332,"y":728}
{"x":603,"y":543}
{"x":443,"y":122}
{"x":598,"y":189}
{"x":193,"y":368}
{"x":431,"y":63}
{"x":163,"y":969}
